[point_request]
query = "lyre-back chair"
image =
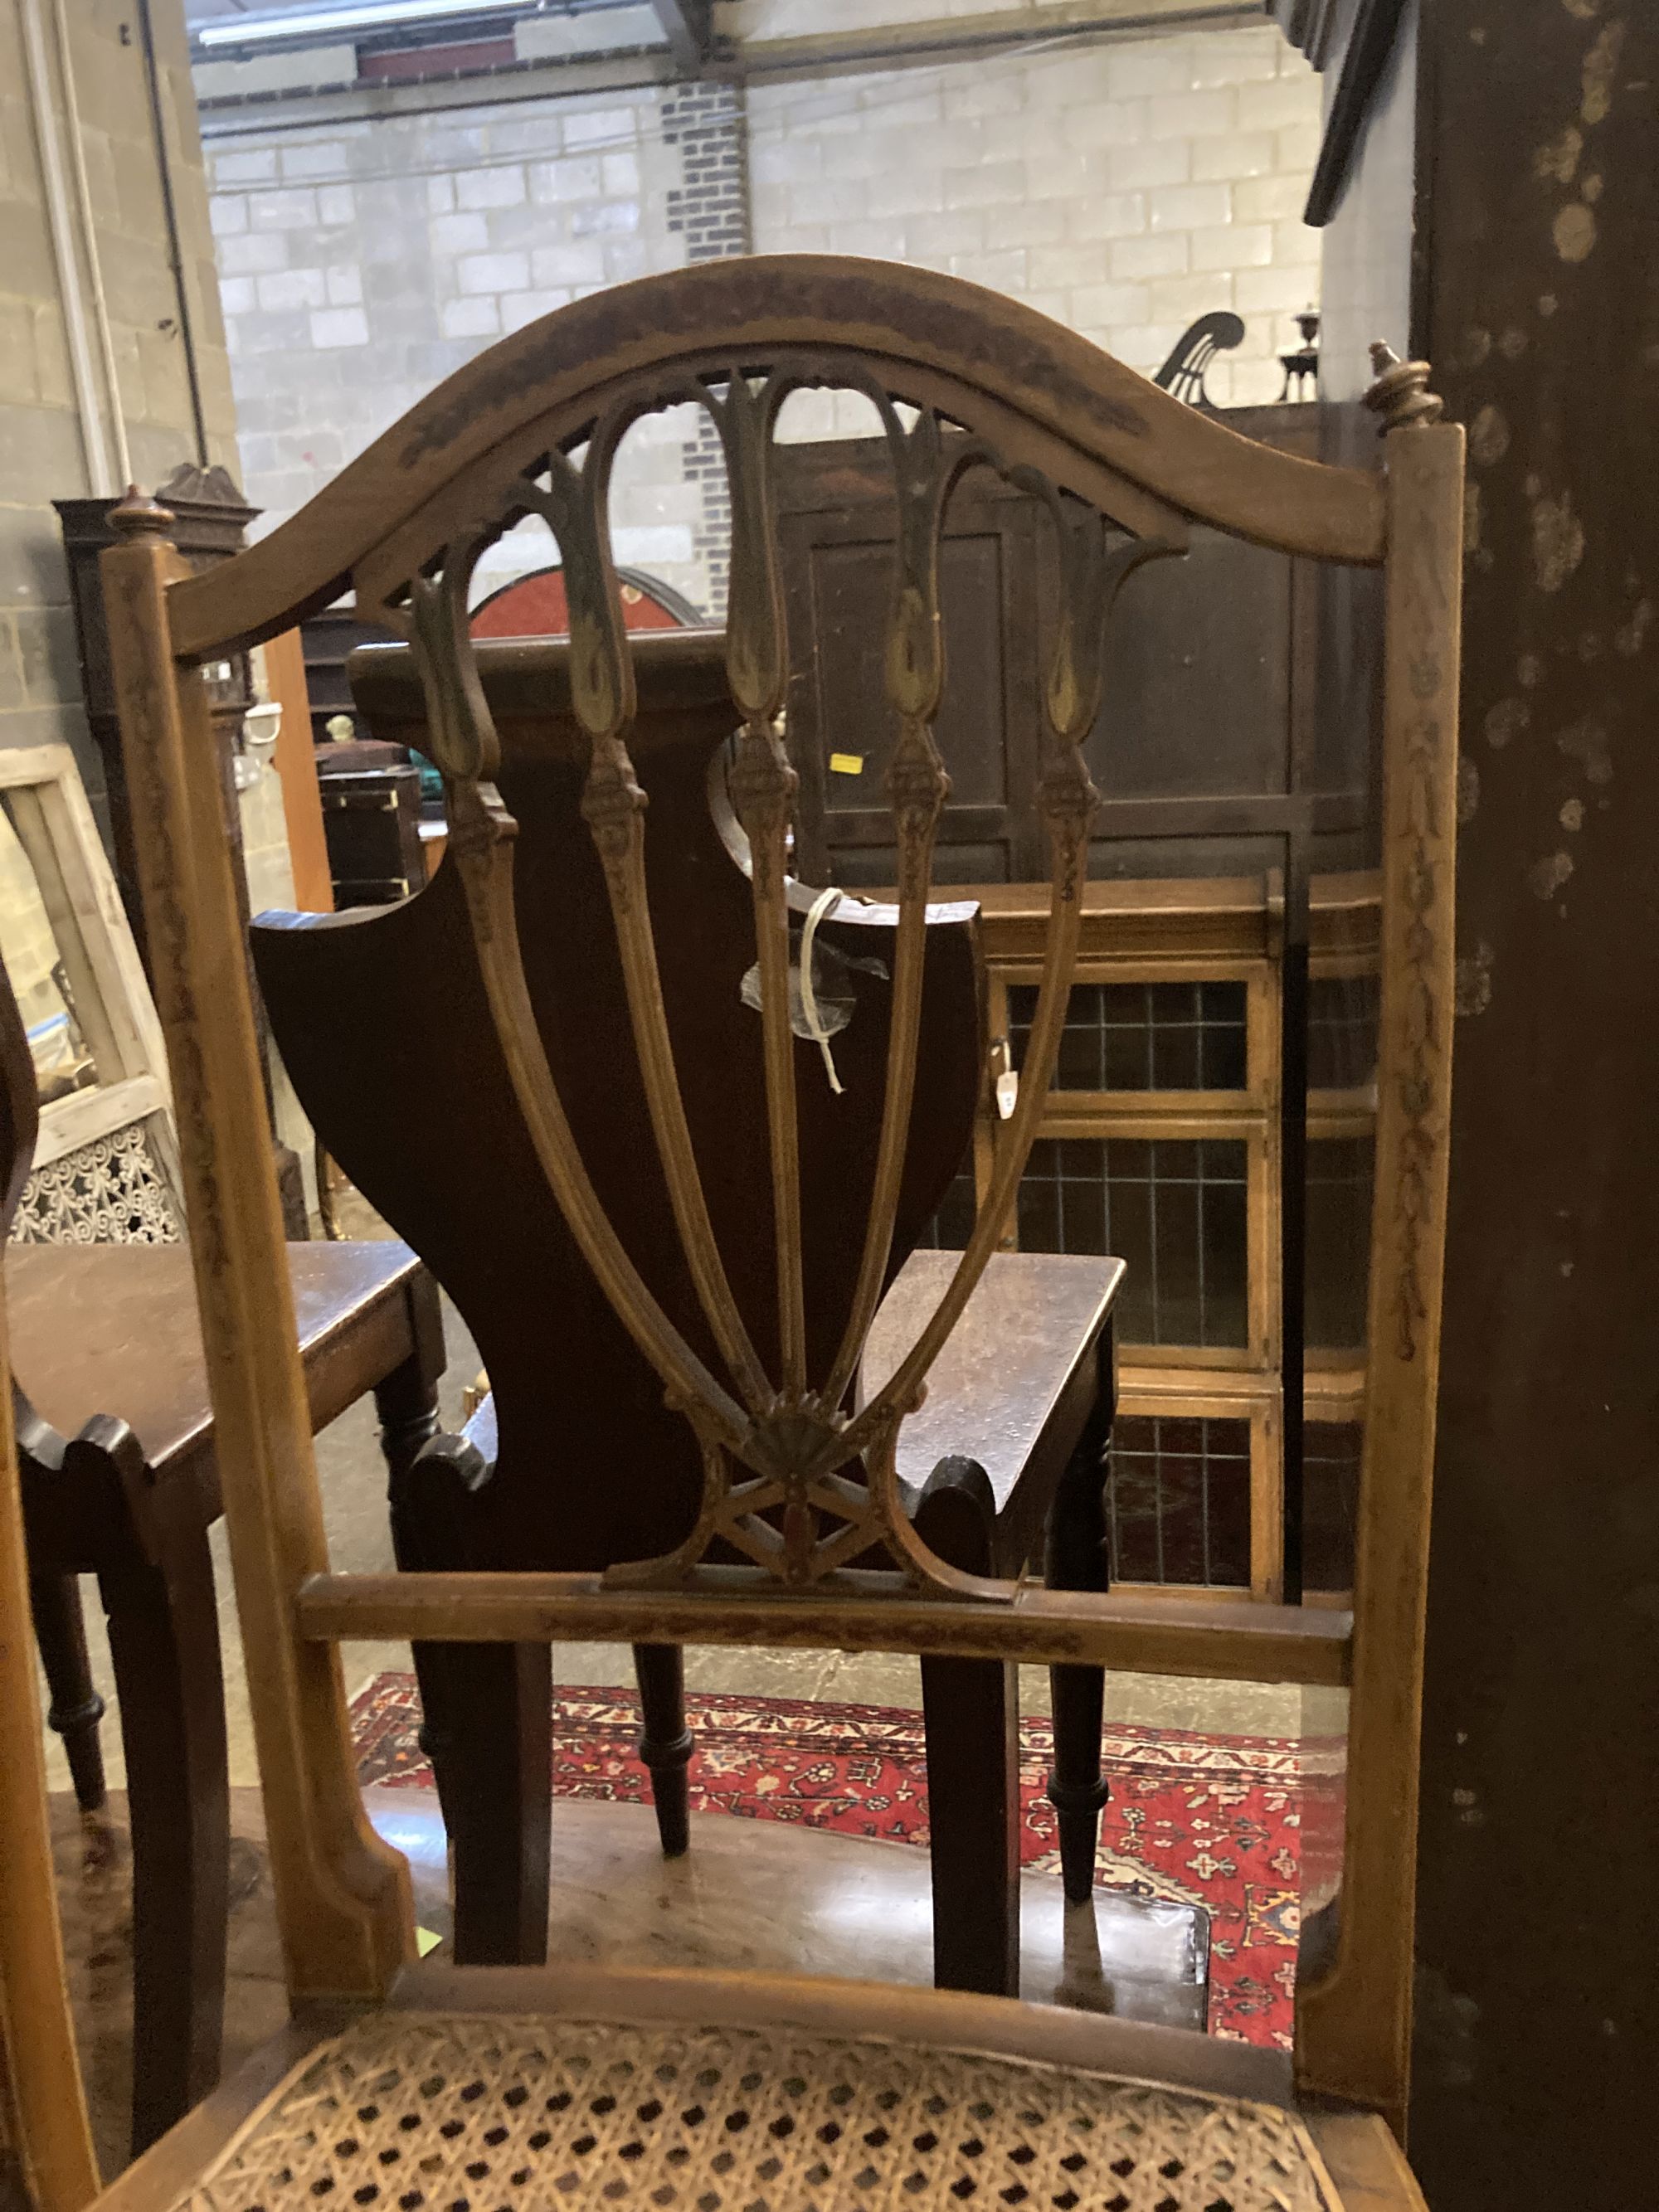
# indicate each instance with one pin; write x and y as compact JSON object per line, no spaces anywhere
{"x":683,"y":2088}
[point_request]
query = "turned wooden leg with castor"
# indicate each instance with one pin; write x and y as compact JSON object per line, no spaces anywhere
{"x":1079,"y":1559}
{"x":970,"y":1712}
{"x":75,"y":1710}
{"x":665,"y":1740}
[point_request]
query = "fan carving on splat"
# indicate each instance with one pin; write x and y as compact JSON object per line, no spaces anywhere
{"x":797,"y":1480}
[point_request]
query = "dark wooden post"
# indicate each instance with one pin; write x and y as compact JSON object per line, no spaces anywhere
{"x":209,"y":519}
{"x":1505,"y":184}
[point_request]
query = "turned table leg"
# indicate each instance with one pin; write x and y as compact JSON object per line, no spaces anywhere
{"x":75,"y":1710}
{"x":488,"y":1709}
{"x":665,"y":1740}
{"x":1079,"y":1559}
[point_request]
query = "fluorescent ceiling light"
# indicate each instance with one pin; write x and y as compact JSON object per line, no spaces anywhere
{"x":364,"y":15}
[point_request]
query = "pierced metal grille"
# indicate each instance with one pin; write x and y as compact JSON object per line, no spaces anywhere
{"x":503,"y":2113}
{"x":1175,"y":1210}
{"x":1179,"y":1500}
{"x":111,"y":1191}
{"x":1142,"y":1036}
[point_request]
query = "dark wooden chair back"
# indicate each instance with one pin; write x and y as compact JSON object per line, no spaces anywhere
{"x":531,"y":427}
{"x":19,"y":1105}
{"x":382,"y":1021}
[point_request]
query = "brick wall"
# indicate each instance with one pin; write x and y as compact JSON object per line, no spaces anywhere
{"x":1124,"y":187}
{"x":41,"y":454}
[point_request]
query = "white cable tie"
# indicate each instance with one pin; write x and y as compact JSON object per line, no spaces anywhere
{"x":809,"y":1005}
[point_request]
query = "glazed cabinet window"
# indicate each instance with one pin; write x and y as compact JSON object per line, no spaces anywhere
{"x":1142,"y":1036}
{"x":1160,"y":1143}
{"x":1174,"y":1209}
{"x":1154,"y":1147}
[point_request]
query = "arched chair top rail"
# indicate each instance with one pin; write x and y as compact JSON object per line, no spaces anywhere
{"x":942,"y":330}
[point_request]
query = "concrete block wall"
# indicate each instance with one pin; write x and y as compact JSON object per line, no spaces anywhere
{"x":1125,"y":186}
{"x":360,"y":265}
{"x":1125,"y":189}
{"x":42,"y":455}
{"x":756,"y":20}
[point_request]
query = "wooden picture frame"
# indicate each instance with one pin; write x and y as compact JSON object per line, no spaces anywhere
{"x":109,"y":1002}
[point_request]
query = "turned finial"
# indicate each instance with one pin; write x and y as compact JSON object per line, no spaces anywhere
{"x":139,"y":515}
{"x":1401,"y":394}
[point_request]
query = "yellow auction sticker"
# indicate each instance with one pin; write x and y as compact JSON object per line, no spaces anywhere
{"x":846,"y":764}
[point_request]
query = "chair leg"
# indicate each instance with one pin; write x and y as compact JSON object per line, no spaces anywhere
{"x":164,"y":1641}
{"x":1078,"y":1559}
{"x":76,"y":1708}
{"x":665,"y":1741}
{"x":970,"y":1713}
{"x":488,"y":1712}
{"x":497,"y":1794}
{"x":406,"y":1400}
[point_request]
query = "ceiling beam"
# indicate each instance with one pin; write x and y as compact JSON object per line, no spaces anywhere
{"x":686,"y":26}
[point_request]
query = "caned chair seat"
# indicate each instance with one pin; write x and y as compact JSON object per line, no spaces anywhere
{"x":454,"y":2111}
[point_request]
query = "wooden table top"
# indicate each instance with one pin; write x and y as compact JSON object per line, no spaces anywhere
{"x":1003,"y":1370}
{"x":112,"y":1328}
{"x":1003,"y":1373}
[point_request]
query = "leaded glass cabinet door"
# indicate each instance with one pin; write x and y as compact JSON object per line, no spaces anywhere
{"x":1162,"y":1139}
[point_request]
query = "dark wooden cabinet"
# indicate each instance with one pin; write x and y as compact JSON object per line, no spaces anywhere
{"x":371,"y":820}
{"x":1211,"y":722}
{"x":837,"y":527}
{"x":327,"y":639}
{"x":209,"y":517}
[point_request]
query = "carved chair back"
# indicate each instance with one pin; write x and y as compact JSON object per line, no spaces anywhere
{"x":355,"y":998}
{"x":533,"y":426}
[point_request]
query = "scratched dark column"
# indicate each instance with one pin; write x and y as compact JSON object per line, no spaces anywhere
{"x":1536,"y":125}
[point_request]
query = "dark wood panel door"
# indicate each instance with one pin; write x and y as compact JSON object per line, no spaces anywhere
{"x":837,"y":542}
{"x":1211,"y":693}
{"x":1196,"y":695}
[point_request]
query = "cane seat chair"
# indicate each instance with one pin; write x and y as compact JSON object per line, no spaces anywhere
{"x":428,"y":2085}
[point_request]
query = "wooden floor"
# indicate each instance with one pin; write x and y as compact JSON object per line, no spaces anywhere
{"x":749,"y":1893}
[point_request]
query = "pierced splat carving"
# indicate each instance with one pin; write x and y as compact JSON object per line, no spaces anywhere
{"x":795,"y":1482}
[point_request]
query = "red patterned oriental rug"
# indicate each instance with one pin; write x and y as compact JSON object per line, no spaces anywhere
{"x":1239,"y":1825}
